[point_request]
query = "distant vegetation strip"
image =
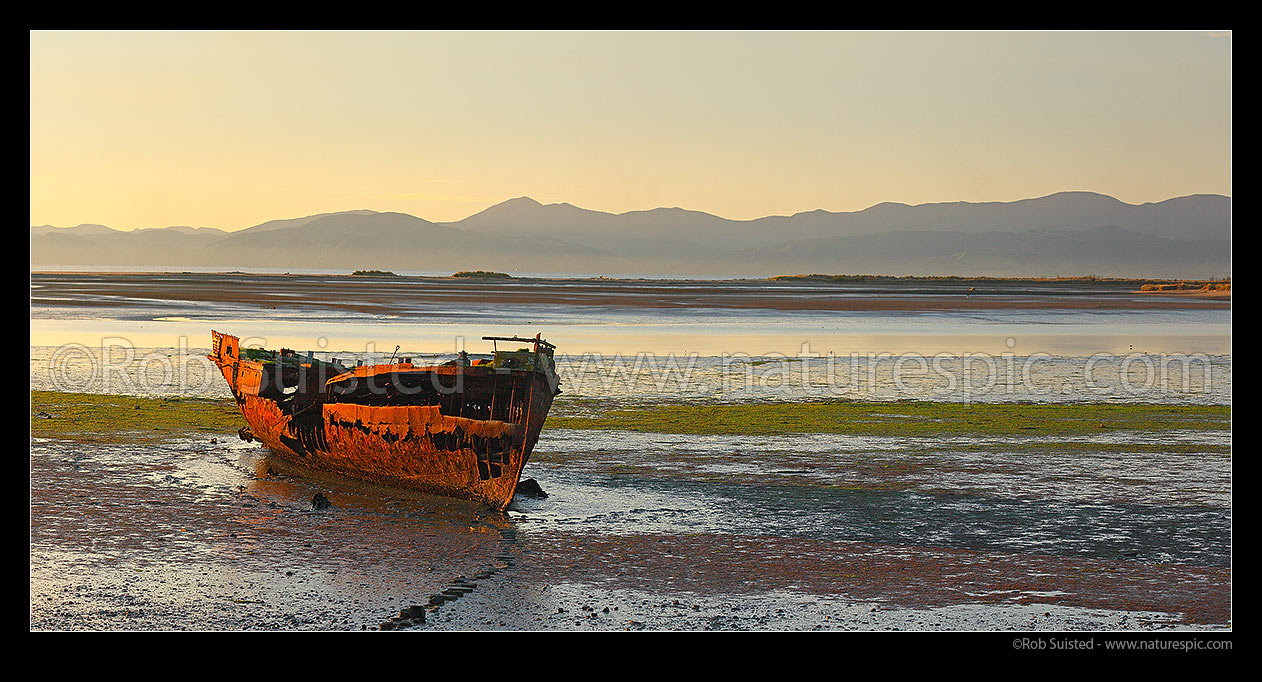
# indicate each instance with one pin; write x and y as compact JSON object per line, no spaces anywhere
{"x":1187,"y":286}
{"x":482,"y":274}
{"x":1212,"y":284}
{"x":373,"y":273}
{"x":900,"y":418}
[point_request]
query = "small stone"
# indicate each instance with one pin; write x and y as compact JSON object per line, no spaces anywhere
{"x":413,"y":613}
{"x":388,"y":625}
{"x":530,"y":488}
{"x":319,"y":501}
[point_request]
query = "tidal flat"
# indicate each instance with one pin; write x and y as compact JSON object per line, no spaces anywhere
{"x":149,"y":513}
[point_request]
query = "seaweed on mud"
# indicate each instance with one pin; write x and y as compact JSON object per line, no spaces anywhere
{"x":901,"y":418}
{"x":98,"y":417}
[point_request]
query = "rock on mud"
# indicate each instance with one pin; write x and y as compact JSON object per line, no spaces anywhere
{"x":530,"y":488}
{"x":416,"y":614}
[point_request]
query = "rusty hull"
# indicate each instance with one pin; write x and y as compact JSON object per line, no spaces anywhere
{"x":454,"y":430}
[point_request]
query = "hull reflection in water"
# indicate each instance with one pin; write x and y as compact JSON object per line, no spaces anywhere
{"x":464,"y":428}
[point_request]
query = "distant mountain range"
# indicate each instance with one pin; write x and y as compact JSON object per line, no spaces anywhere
{"x":1069,"y":233}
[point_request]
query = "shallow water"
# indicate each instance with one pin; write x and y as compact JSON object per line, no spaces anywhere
{"x":650,"y":340}
{"x":1164,"y":508}
{"x":752,"y":317}
{"x":1082,"y":469}
{"x":609,"y":331}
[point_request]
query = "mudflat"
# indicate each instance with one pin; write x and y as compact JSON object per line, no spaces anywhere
{"x":399,"y":295}
{"x":149,"y":513}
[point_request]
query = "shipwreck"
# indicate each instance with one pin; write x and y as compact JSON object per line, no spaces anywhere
{"x":463,"y":428}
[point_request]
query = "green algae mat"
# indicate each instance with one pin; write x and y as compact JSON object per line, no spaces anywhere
{"x":900,"y":418}
{"x":98,"y":417}
{"x":107,"y":417}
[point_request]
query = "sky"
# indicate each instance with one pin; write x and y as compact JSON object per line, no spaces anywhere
{"x":230,"y":129}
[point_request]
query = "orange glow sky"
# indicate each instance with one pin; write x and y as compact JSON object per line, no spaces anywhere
{"x":229,"y":129}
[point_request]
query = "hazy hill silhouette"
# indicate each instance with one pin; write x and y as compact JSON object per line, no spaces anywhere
{"x":1060,"y":234}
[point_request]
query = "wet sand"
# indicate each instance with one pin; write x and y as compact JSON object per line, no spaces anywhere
{"x":194,"y":535}
{"x":132,"y":547}
{"x":772,"y":533}
{"x":405,"y":296}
